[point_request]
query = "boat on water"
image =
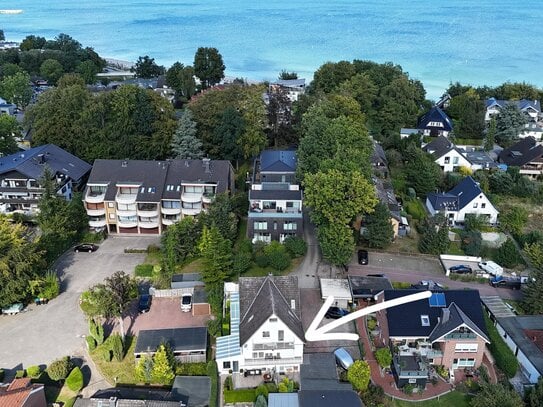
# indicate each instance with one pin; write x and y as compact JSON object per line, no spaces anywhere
{"x":11,"y":11}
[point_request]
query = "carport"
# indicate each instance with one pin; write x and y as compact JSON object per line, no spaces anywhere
{"x":339,"y":289}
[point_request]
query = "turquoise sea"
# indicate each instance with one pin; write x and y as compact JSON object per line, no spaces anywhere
{"x":436,"y":41}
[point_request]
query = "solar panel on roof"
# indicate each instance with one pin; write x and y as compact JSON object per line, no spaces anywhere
{"x":437,"y":300}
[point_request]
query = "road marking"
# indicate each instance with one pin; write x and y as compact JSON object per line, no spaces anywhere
{"x":314,"y":333}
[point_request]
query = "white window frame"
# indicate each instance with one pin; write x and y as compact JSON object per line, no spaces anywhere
{"x":466,"y":348}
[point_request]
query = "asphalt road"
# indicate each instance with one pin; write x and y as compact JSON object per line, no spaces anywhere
{"x":44,"y":333}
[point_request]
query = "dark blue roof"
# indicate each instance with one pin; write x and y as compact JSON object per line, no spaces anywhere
{"x":32,"y":162}
{"x":278,"y":161}
{"x":405,"y":320}
{"x":442,"y":201}
{"x":521,"y":104}
{"x":466,"y":191}
{"x":435,"y":115}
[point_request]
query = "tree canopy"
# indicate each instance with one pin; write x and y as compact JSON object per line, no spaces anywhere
{"x":146,"y":67}
{"x":510,"y":123}
{"x":208,"y":66}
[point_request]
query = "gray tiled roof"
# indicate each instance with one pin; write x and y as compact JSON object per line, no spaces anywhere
{"x":522,"y":152}
{"x":179,"y":339}
{"x":262,"y":297}
{"x":439,"y":147}
{"x":367,"y":286}
{"x":456,"y":318}
{"x":319,"y":372}
{"x":327,"y":398}
{"x":193,"y":391}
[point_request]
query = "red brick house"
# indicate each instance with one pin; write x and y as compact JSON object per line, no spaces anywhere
{"x":22,"y":393}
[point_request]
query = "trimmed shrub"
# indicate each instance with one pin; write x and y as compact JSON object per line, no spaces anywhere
{"x":117,"y":347}
{"x":228,"y":384}
{"x":19,"y":374}
{"x":505,"y":359}
{"x":383,"y":357}
{"x":191,"y":369}
{"x":261,"y":390}
{"x":213,"y":374}
{"x":153,"y":248}
{"x":262,"y":260}
{"x":144,"y":270}
{"x":91,"y":343}
{"x":60,"y":368}
{"x":272,"y":387}
{"x":33,"y":372}
{"x":261,"y":401}
{"x":96,"y":331}
{"x":277,"y":255}
{"x":74,"y":381}
{"x":295,"y":246}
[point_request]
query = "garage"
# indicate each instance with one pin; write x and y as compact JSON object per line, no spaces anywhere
{"x":339,"y":289}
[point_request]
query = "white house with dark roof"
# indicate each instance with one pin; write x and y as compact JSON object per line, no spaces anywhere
{"x":20,"y":174}
{"x":526,"y":154}
{"x":435,"y":123}
{"x":293,"y":88}
{"x":532,"y":108}
{"x":275,"y":198}
{"x":446,"y":154}
{"x":145,"y":197}
{"x":266,"y":333}
{"x":466,"y":198}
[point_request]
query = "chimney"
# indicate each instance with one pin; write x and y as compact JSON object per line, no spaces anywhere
{"x":206,"y":165}
{"x":446,"y":315}
{"x":41,"y":158}
{"x":124,"y":164}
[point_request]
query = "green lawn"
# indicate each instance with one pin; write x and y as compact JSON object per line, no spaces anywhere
{"x":124,"y":371}
{"x":239,"y":396}
{"x":256,"y":271}
{"x":454,"y":398}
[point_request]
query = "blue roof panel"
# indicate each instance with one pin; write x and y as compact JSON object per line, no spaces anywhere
{"x":278,"y":161}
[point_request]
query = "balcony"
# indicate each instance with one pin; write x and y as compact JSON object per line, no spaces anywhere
{"x":267,"y":213}
{"x":273,"y":345}
{"x":126,"y":199}
{"x":126,"y":212}
{"x":458,"y":335}
{"x":148,"y":224}
{"x":273,"y":361}
{"x":191,"y":211}
{"x":95,"y":197}
{"x":127,"y":223}
{"x":97,"y":223}
{"x":170,"y":221}
{"x":191,"y":197}
{"x":148,"y":212}
{"x":410,"y":366}
{"x":208,"y":197}
{"x":170,"y":211}
{"x":96,"y":212}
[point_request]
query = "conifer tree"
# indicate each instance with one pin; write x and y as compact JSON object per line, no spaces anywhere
{"x":379,"y":230}
{"x":162,"y":368}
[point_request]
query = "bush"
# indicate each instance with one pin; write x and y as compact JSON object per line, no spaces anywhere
{"x":74,"y":381}
{"x":371,"y":323}
{"x":91,"y":343}
{"x":471,"y":242}
{"x":277,"y":255}
{"x":295,"y":246}
{"x":261,"y":260}
{"x":144,"y":270}
{"x":153,"y":248}
{"x":415,"y":209}
{"x":228,"y":383}
{"x":33,"y":372}
{"x":96,"y":331}
{"x":272,"y":387}
{"x":241,"y":263}
{"x":507,"y":255}
{"x":261,"y":390}
{"x":374,"y":396}
{"x":261,"y":401}
{"x":401,"y":285}
{"x":505,"y":359}
{"x":408,"y":388}
{"x":93,"y":237}
{"x":383,"y":357}
{"x":20,"y":373}
{"x":1,"y":375}
{"x":117,"y":347}
{"x":59,"y":369}
{"x":191,"y":369}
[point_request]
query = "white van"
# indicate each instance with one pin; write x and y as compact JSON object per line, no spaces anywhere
{"x":491,"y":268}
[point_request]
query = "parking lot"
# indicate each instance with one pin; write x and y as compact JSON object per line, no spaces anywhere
{"x":311,"y":304}
{"x":45,"y":332}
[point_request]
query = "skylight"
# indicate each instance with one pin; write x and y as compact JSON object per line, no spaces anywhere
{"x":425,"y":320}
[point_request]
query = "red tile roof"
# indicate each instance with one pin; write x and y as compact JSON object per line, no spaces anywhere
{"x":16,"y":393}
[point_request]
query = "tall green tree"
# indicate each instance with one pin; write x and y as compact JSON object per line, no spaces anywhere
{"x":122,"y":289}
{"x":468,"y":113}
{"x":423,"y":174}
{"x":490,"y":137}
{"x":533,"y":300}
{"x":181,"y":79}
{"x":534,"y":398}
{"x":32,"y":42}
{"x":146,"y":67}
{"x":88,"y":71}
{"x":379,"y":230}
{"x":227,"y":135}
{"x":510,"y":123}
{"x":216,"y":254}
{"x":359,"y":375}
{"x":163,"y":370}
{"x":208,"y":66}
{"x":286,"y":75}
{"x":51,"y":70}
{"x":336,"y":242}
{"x":185,"y":144}
{"x":434,"y":234}
{"x":16,"y":89}
{"x":496,"y":395}
{"x":9,"y":128}
{"x":337,"y":197}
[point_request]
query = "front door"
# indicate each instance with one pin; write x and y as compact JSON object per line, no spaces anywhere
{"x":236,"y":366}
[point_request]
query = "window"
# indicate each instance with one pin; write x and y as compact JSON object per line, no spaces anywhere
{"x":193,"y":190}
{"x":126,"y":207}
{"x":483,"y":205}
{"x":269,"y":204}
{"x":260,"y":225}
{"x":171,"y":204}
{"x":425,"y":320}
{"x":226,"y":365}
{"x":280,"y":335}
{"x":475,"y":205}
{"x":464,"y":362}
{"x":466,"y":347}
{"x":273,"y":319}
{"x":290,"y":225}
{"x":290,"y":204}
{"x":127,"y":190}
{"x":274,"y":225}
{"x":455,"y":160}
{"x":209,"y":190}
{"x":151,"y":190}
{"x":265,"y":334}
{"x":111,"y":216}
{"x":192,"y":205}
{"x":447,"y":160}
{"x":111,"y":205}
{"x":292,"y":304}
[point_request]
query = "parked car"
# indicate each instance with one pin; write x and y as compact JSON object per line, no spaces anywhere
{"x":186,"y":302}
{"x":491,"y":268}
{"x":13,"y":309}
{"x":336,"y":312}
{"x":362,"y":257}
{"x":512,"y":283}
{"x":343,"y":358}
{"x":86,"y":247}
{"x":427,"y":285}
{"x":144,"y":303}
{"x":461,"y":269}
{"x":376,"y":275}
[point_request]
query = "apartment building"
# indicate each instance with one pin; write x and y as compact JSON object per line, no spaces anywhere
{"x":145,"y":197}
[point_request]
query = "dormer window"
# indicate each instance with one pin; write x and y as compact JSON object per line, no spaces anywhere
{"x":425,"y":320}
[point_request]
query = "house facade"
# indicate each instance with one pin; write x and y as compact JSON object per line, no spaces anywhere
{"x":446,"y":329}
{"x":265,"y":325}
{"x":526,"y":154}
{"x":446,"y":154}
{"x":145,"y":197}
{"x":20,"y":174}
{"x":435,"y":123}
{"x":532,"y":108}
{"x":275,"y":198}
{"x":293,"y":88}
{"x":466,"y":198}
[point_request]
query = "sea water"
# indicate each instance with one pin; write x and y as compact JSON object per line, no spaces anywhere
{"x":437,"y":41}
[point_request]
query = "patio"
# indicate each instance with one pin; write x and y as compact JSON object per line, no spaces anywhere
{"x":241,"y":381}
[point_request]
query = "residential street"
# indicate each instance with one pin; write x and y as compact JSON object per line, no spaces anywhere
{"x":44,"y":333}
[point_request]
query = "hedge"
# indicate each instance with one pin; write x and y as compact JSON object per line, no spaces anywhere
{"x":505,"y":359}
{"x":213,"y":374}
{"x":191,"y":369}
{"x":74,"y":381}
{"x":33,"y":371}
{"x":239,"y":396}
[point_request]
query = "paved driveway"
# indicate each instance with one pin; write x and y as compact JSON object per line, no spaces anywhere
{"x":46,"y":332}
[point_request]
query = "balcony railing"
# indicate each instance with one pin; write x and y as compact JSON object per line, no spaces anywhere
{"x":191,"y":197}
{"x":170,"y":211}
{"x":95,"y":197}
{"x":126,"y":198}
{"x":289,"y":215}
{"x":148,"y":224}
{"x":149,"y":212}
{"x":96,"y":212}
{"x":97,"y":223}
{"x":208,"y":197}
{"x":458,"y":335}
{"x":273,"y":345}
{"x":191,"y":211}
{"x":273,"y":361}
{"x":168,"y":222}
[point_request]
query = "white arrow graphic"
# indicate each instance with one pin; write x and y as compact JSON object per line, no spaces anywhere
{"x":322,"y":334}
